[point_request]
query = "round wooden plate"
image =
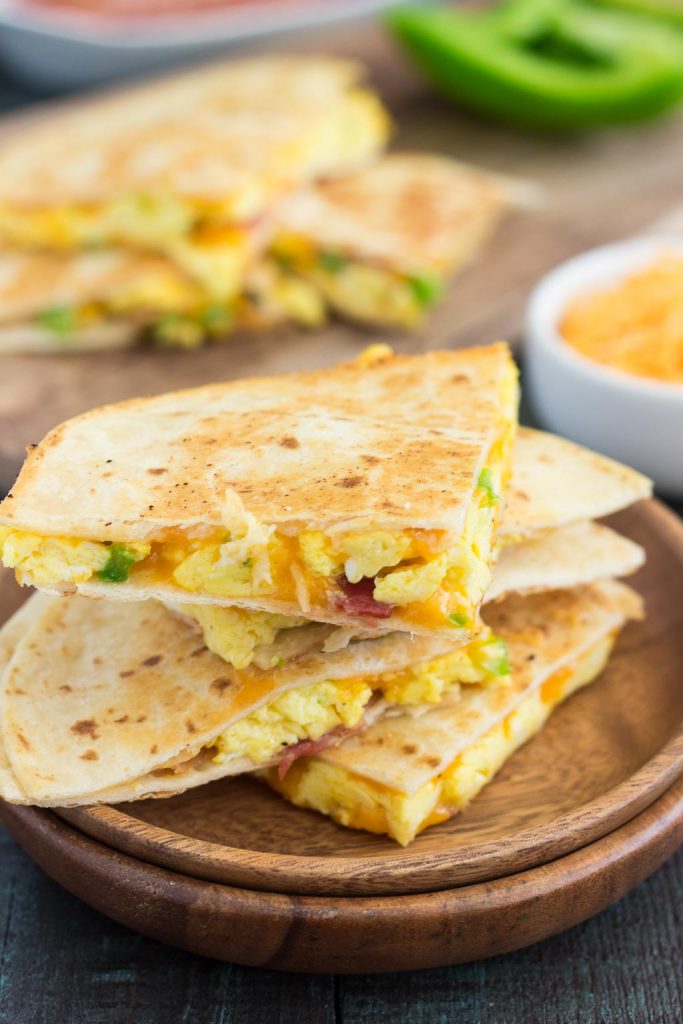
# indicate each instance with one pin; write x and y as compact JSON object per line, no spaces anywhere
{"x":604,"y":756}
{"x":352,"y":934}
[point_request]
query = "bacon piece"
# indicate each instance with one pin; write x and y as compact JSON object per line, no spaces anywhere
{"x":357,"y":599}
{"x":308,"y":748}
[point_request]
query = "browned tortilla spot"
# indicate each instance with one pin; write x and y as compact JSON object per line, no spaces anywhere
{"x":85,"y":727}
{"x":220,"y":685}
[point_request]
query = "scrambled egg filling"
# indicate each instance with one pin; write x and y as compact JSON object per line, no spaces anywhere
{"x":408,"y":567}
{"x":359,"y":802}
{"x":363,"y":291}
{"x":304,"y":714}
{"x":234,"y":634}
{"x":310,"y":712}
{"x":182,"y":302}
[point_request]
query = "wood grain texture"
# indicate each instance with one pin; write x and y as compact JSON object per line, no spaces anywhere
{"x":353,"y":934}
{"x":63,"y":962}
{"x":605,"y":755}
{"x":597,"y":188}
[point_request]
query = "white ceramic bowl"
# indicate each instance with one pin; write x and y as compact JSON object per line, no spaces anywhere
{"x":633,"y":419}
{"x":65,"y":49}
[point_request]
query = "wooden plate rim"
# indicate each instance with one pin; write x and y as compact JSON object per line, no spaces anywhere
{"x":353,"y":934}
{"x":405,"y":873}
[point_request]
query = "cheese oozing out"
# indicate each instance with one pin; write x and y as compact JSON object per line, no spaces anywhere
{"x":356,"y":801}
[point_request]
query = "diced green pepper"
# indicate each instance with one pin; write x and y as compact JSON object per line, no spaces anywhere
{"x":552,"y":64}
{"x":216,"y":319}
{"x":118,"y":565}
{"x":332,"y":262}
{"x":485,"y":482}
{"x":492,"y":657}
{"x":458,"y":619}
{"x":60,"y":320}
{"x":425,"y":288}
{"x":177,"y":331}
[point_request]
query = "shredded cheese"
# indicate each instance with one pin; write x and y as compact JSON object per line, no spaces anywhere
{"x":636,"y":325}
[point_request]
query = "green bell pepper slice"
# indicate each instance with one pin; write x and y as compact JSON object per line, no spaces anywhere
{"x":551,"y":64}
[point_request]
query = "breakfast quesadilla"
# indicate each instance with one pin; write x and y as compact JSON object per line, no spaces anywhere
{"x":406,"y":772}
{"x":378,"y":244}
{"x":366,"y":495}
{"x":98,"y":694}
{"x":109,"y":298}
{"x":160,"y":699}
{"x":206,"y":150}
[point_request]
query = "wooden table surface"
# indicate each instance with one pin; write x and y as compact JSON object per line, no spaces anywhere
{"x":62,"y":963}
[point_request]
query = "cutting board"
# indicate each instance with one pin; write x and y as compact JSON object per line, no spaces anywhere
{"x":596,"y":188}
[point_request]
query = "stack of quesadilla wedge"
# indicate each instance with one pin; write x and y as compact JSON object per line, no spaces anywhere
{"x":291,"y":572}
{"x":198,"y":204}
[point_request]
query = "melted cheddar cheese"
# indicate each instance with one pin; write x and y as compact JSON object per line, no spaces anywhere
{"x":307,"y":713}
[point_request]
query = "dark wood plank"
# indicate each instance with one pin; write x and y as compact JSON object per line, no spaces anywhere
{"x":353,"y":934}
{"x":63,"y":963}
{"x":623,"y":967}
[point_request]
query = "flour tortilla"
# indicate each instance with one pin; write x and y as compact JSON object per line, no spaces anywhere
{"x":256,"y":127}
{"x":563,"y":558}
{"x":409,"y":212}
{"x":555,"y":482}
{"x":98,"y":695}
{"x":330,"y":449}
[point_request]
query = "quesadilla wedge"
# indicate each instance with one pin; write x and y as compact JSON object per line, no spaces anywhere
{"x":107,"y":299}
{"x":378,"y":244}
{"x":163,"y":162}
{"x":406,"y":772}
{"x":556,"y":482}
{"x":109,"y":700}
{"x":159,"y":704}
{"x":366,"y":495}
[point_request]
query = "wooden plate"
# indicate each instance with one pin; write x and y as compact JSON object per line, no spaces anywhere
{"x":352,"y":934}
{"x":606,"y":755}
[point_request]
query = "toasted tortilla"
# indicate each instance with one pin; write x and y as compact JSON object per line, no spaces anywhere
{"x":555,"y":482}
{"x":544,"y":633}
{"x":562,"y":558}
{"x":343,"y":448}
{"x":238,"y":132}
{"x":411,"y":212}
{"x":98,"y":694}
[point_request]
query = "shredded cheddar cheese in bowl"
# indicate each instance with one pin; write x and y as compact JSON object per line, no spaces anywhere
{"x":635,"y":325}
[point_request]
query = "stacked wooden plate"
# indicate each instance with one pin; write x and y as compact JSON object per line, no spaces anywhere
{"x":576,"y":818}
